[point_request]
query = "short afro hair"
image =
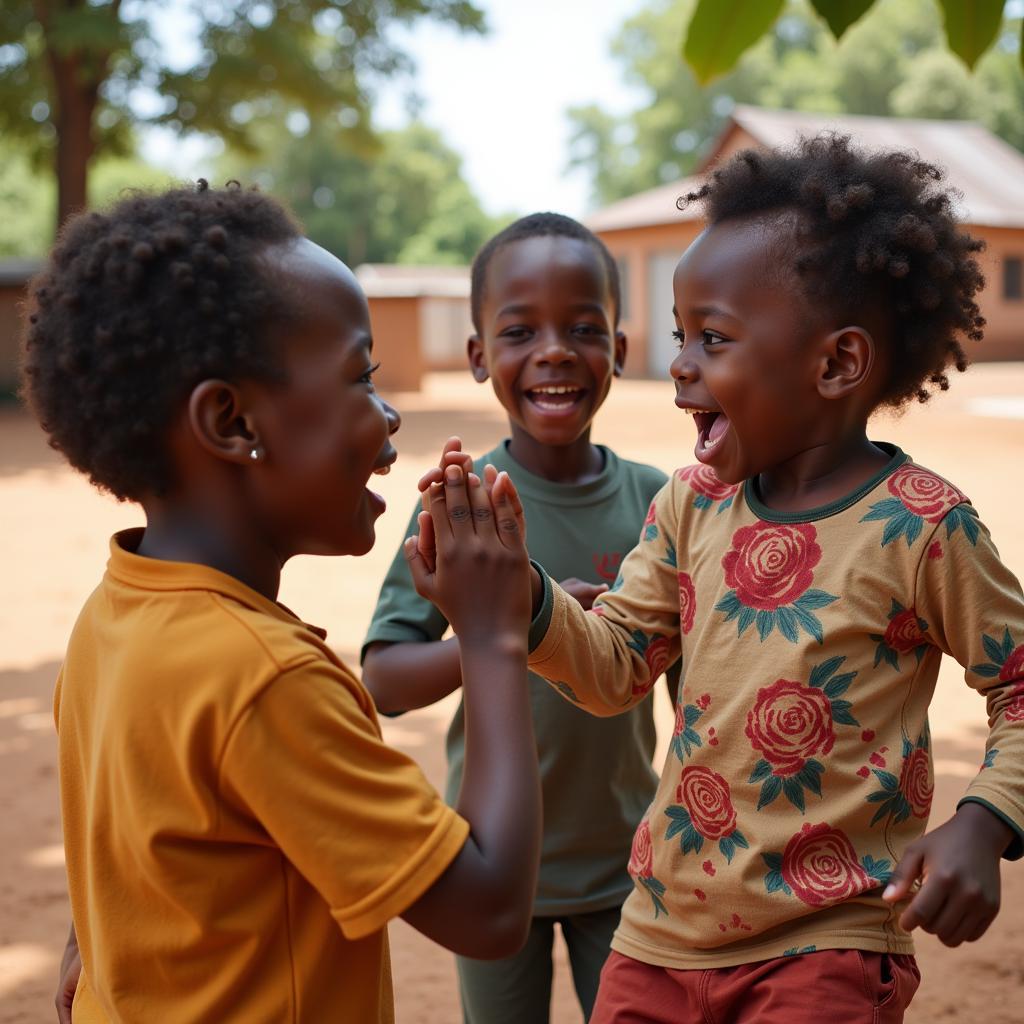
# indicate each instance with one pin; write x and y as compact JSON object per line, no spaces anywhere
{"x":540,"y":225}
{"x":136,"y":305}
{"x":874,"y":230}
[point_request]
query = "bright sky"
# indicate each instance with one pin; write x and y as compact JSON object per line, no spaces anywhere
{"x":500,"y":100}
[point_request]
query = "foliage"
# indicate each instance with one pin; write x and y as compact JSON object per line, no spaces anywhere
{"x":406,"y":201}
{"x":719,"y":31}
{"x":102,"y":63}
{"x":892,"y":62}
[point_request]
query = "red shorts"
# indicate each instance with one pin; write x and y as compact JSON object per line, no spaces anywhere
{"x":842,"y":986}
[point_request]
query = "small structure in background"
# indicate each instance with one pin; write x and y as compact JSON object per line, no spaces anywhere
{"x":420,"y":319}
{"x":14,"y":277}
{"x":646,"y":233}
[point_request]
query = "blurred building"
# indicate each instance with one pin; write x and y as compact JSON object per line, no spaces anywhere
{"x":646,"y":233}
{"x":420,"y":319}
{"x":14,"y":276}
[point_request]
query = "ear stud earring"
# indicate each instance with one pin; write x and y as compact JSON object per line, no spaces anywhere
{"x":255,"y":454}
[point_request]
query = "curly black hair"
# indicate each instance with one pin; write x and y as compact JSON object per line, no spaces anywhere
{"x":539,"y":225}
{"x":136,"y":305}
{"x":873,"y":231}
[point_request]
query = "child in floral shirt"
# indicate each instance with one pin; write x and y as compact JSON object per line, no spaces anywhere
{"x":812,"y":580}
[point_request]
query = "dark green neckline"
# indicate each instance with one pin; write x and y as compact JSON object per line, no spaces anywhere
{"x":808,"y":515}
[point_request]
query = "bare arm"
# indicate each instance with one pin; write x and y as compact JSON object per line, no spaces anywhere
{"x":70,"y":970}
{"x":482,"y":904}
{"x":404,"y":676}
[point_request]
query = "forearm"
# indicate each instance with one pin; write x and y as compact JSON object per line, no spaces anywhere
{"x":481,"y":906}
{"x":405,"y":676}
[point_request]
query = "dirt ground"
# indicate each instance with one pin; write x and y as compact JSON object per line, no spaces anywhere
{"x":55,"y":531}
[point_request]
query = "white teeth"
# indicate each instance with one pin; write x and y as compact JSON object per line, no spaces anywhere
{"x":690,"y":411}
{"x":383,"y":471}
{"x":560,"y":390}
{"x":710,"y":444}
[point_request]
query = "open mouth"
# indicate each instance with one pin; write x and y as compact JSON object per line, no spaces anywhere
{"x":711,"y":428}
{"x":555,"y":397}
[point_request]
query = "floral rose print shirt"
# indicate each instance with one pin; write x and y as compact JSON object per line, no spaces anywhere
{"x":800,"y":765}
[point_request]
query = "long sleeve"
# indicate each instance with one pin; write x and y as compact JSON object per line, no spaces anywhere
{"x":974,"y":611}
{"x":608,"y":659}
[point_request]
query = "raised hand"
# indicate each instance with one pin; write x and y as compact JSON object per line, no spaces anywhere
{"x":583,"y":592}
{"x":475,"y":569}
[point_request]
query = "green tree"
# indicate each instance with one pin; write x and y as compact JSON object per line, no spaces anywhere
{"x":403,"y":200}
{"x":71,"y":71}
{"x":891,"y":63}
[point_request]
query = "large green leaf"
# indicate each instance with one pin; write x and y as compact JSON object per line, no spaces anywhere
{"x":971,"y":26}
{"x":841,"y":14}
{"x":720,"y":30}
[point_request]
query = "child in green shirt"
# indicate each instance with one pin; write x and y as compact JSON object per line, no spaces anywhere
{"x":545,"y":302}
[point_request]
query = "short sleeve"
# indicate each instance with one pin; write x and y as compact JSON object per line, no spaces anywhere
{"x":401,"y":615}
{"x":357,"y":818}
{"x":974,"y":611}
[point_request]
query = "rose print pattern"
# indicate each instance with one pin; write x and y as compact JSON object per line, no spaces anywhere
{"x":650,"y":528}
{"x":655,"y":651}
{"x":707,"y":488}
{"x":684,"y":736}
{"x":641,"y":867}
{"x":1006,"y":663}
{"x":704,"y":811}
{"x":687,"y":602}
{"x":920,"y":497}
{"x":909,"y":793}
{"x":905,"y":634}
{"x":770,"y":568}
{"x":791,"y":725}
{"x":820,"y":867}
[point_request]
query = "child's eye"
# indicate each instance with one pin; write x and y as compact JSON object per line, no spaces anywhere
{"x":515,"y":333}
{"x":711,"y":338}
{"x":680,"y":337}
{"x":367,"y":378}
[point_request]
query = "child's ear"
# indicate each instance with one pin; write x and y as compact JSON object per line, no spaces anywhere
{"x":477,"y":362}
{"x":847,"y":358}
{"x":220,"y":423}
{"x":621,"y":346}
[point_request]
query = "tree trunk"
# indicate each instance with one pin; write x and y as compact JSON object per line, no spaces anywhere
{"x":76,"y":104}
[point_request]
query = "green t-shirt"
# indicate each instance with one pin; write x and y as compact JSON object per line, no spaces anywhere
{"x":596,"y":773}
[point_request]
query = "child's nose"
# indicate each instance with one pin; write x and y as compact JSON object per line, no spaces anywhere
{"x":394,"y":420}
{"x":554,"y":349}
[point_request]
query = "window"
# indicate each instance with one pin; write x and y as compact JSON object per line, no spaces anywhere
{"x":623,"y":265}
{"x":1013,"y":277}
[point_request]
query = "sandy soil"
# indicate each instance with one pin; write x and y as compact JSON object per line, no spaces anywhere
{"x":55,"y":529}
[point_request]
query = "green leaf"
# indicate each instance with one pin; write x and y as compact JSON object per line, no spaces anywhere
{"x":691,"y":714}
{"x":810,"y":623}
{"x":720,"y":30}
{"x":838,"y":686}
{"x":884,"y":510}
{"x":769,"y":791}
{"x":895,"y":528}
{"x":702,"y":501}
{"x":971,"y":26}
{"x":887,"y":779}
{"x":841,"y":14}
{"x":727,"y":848}
{"x":841,"y":713}
{"x":986,"y":671}
{"x":820,"y":674}
{"x":808,"y":777}
{"x":786,"y":621}
{"x":765,"y":624}
{"x":740,"y":839}
{"x":794,"y":794}
{"x":773,"y":881}
{"x":811,"y":599}
{"x":746,"y":618}
{"x":773,"y":860}
{"x":730,"y":603}
{"x":993,"y":649}
{"x":761,"y":771}
{"x":1007,"y":644}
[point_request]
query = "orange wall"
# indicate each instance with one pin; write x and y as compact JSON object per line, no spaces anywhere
{"x":397,"y":344}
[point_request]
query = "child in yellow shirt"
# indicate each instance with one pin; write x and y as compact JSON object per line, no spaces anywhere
{"x":237,"y":834}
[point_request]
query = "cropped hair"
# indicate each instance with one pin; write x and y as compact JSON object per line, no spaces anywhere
{"x":873,"y":231}
{"x":540,"y":225}
{"x":136,"y":305}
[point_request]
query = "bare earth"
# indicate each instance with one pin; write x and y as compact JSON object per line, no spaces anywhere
{"x":55,"y":529}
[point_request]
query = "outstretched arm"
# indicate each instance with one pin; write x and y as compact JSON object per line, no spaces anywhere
{"x":481,"y":906}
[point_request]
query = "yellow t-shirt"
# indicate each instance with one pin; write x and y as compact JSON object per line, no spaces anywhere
{"x":237,"y":833}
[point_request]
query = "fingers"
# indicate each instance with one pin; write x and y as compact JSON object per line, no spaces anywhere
{"x":505,"y":511}
{"x":456,"y":502}
{"x":451,"y":455}
{"x":479,"y":504}
{"x":924,"y":907}
{"x":905,"y":874}
{"x":425,"y":542}
{"x":422,"y":577}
